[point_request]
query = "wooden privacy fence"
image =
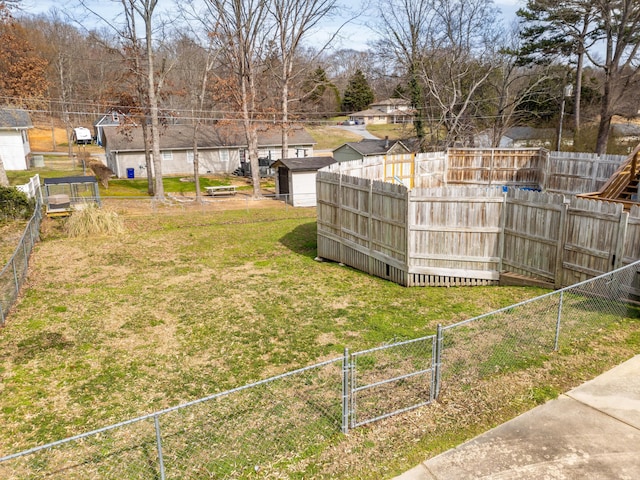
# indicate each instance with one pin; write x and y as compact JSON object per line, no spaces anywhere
{"x":555,"y":172}
{"x":455,"y":235}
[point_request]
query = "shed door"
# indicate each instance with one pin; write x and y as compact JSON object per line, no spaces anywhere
{"x":283,"y":181}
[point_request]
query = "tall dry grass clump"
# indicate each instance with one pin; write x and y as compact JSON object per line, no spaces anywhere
{"x":94,"y":221}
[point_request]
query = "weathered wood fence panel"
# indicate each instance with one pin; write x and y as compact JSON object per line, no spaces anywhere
{"x":454,"y":235}
{"x":573,"y":173}
{"x":430,"y":170}
{"x":522,"y":167}
{"x":461,"y":235}
{"x":362,"y":223}
{"x":632,"y":243}
{"x":533,"y":233}
{"x":400,"y":169}
{"x":594,"y":239}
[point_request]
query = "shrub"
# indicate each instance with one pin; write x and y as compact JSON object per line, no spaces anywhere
{"x":92,"y":220}
{"x":14,"y":204}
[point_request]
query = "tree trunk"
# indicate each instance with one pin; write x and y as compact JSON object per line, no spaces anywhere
{"x":4,"y":180}
{"x":605,"y":125}
{"x":155,"y":123}
{"x":196,"y":162}
{"x":147,"y":157}
{"x":285,"y":114}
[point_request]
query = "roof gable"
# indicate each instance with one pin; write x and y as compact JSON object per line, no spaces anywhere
{"x":369,"y":147}
{"x":14,"y":119}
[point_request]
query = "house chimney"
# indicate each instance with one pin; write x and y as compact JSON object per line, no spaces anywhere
{"x":386,"y":141}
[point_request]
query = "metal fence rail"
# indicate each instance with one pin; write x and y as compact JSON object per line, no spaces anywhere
{"x":279,"y":427}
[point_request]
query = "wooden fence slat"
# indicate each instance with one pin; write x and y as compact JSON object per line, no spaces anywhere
{"x":440,"y":233}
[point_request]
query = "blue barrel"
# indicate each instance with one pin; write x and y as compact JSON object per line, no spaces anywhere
{"x":131,"y":172}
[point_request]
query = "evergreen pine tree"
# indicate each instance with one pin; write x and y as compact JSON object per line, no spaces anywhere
{"x":358,"y":95}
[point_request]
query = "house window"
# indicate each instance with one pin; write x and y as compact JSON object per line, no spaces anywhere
{"x":167,"y":156}
{"x":114,"y":117}
{"x":301,"y":152}
{"x":224,"y":156}
{"x":190,"y":156}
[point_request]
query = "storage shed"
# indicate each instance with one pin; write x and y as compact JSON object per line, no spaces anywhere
{"x":296,"y":179}
{"x":63,"y":194}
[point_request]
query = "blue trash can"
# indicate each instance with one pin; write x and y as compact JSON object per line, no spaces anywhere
{"x":131,"y":172}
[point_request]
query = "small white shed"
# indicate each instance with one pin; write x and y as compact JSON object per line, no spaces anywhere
{"x":14,"y":140}
{"x":296,"y":179}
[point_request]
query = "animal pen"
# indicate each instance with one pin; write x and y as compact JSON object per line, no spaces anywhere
{"x":476,"y":217}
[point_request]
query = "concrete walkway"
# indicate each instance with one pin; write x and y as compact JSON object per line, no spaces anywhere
{"x":592,"y":432}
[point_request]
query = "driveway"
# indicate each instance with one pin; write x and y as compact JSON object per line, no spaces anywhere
{"x":358,"y":130}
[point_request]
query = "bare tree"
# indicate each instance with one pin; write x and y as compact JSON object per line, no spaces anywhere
{"x":145,"y":66}
{"x":241,"y":31}
{"x":404,"y":26}
{"x":620,"y":24}
{"x":294,"y":20}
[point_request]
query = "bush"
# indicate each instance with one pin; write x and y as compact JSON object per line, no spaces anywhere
{"x":14,"y":204}
{"x":94,"y":221}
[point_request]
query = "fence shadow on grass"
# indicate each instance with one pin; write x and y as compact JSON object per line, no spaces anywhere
{"x":303,"y":239}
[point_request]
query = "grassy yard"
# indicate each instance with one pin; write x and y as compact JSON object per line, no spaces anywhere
{"x":186,"y":304}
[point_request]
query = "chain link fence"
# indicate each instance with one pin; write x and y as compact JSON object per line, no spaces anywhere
{"x":280,"y":427}
{"x":14,"y":273}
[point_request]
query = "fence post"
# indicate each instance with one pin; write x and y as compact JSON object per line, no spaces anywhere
{"x":562,"y":240}
{"x":1,"y":315}
{"x":557,"y":339}
{"x":437,"y":362}
{"x":345,"y":391}
{"x":15,"y":274}
{"x":159,"y":447}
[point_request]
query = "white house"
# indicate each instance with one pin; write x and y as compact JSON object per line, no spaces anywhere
{"x":221,"y":148}
{"x":296,"y":179}
{"x":15,"y":150}
{"x":392,"y":110}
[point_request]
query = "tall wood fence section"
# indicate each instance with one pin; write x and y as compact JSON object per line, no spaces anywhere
{"x":363,"y":223}
{"x":522,"y":167}
{"x":446,"y":231}
{"x":455,"y":236}
{"x":533,"y":234}
{"x":573,"y":173}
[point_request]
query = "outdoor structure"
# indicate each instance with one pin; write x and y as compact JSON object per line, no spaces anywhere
{"x":112,"y":118}
{"x":15,"y":150}
{"x":296,"y":179}
{"x":369,"y":148}
{"x":475,"y":217}
{"x":392,"y":110}
{"x":221,"y":149}
{"x":63,"y":194}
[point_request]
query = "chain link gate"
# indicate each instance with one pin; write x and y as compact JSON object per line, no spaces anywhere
{"x":390,"y":379}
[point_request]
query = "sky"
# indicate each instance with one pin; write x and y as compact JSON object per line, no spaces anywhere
{"x":353,"y":36}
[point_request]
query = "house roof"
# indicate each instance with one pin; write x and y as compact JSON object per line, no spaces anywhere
{"x":529,"y":133}
{"x":180,"y":137}
{"x":304,"y":164}
{"x":11,"y":119}
{"x":393,"y":102}
{"x":625,"y":129}
{"x":369,"y":147}
{"x":374,"y":112}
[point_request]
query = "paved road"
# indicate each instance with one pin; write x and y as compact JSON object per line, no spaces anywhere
{"x":592,"y":432}
{"x":358,"y":130}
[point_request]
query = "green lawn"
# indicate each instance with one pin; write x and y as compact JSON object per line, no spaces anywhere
{"x":188,"y":304}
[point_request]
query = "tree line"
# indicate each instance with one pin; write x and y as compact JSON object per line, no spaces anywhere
{"x":258,"y":64}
